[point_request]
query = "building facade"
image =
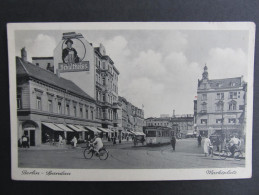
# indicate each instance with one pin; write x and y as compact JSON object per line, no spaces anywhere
{"x":183,"y":123}
{"x":221,"y":105}
{"x":49,"y":106}
{"x":131,"y":118}
{"x":106,"y":79}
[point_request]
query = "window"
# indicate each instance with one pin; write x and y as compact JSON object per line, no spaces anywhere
{"x":50,"y":107}
{"x":204,"y":97}
{"x":59,"y":108}
{"x":232,"y":95}
{"x":103,"y":65}
{"x":67,"y":109}
{"x":92,"y":114}
{"x":219,"y":121}
{"x":220,"y":106}
{"x":74,"y":108}
{"x":19,"y":101}
{"x":204,"y":107}
{"x":37,"y":64}
{"x":103,"y":80}
{"x":81,"y":112}
{"x":103,"y":97}
{"x":231,"y":120}
{"x":220,"y":96}
{"x":232,"y":106}
{"x":86,"y":113}
{"x":38,"y":102}
{"x":203,"y":121}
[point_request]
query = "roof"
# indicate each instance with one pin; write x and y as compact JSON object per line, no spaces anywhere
{"x":25,"y":68}
{"x":226,"y":83}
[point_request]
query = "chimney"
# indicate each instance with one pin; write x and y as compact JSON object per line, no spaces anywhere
{"x":173,"y":113}
{"x":24,"y":54}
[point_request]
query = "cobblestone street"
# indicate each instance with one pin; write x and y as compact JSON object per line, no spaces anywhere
{"x":122,"y":156}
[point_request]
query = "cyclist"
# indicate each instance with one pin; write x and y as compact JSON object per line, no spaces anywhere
{"x":234,"y":143}
{"x":97,"y":144}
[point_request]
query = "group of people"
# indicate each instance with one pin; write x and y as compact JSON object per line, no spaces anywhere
{"x":233,"y":144}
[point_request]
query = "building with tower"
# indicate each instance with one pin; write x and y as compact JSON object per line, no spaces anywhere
{"x":221,"y":105}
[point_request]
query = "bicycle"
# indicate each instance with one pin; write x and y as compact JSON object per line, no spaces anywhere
{"x":89,"y":152}
{"x":226,"y":153}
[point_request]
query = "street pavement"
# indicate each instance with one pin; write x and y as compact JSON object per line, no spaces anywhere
{"x":125,"y":156}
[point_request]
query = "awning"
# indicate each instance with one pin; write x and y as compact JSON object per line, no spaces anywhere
{"x":74,"y":128}
{"x":81,"y":127}
{"x":61,"y":126}
{"x":93,"y":129}
{"x":52,"y":126}
{"x":104,"y":130}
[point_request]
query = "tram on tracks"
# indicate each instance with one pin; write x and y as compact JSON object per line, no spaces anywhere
{"x":156,"y":135}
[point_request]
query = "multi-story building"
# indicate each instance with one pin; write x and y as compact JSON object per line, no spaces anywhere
{"x":221,"y":105}
{"x":162,"y":121}
{"x":106,"y":79}
{"x":184,"y":123}
{"x":49,"y":105}
{"x":131,"y":117}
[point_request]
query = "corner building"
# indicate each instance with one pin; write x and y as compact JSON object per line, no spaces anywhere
{"x":221,"y":105}
{"x":48,"y":104}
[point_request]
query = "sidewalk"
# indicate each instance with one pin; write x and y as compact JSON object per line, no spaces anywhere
{"x":65,"y":146}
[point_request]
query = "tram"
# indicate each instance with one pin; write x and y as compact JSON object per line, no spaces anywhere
{"x":156,"y":135}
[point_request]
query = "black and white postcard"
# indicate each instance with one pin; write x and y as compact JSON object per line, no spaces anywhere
{"x":131,"y":101}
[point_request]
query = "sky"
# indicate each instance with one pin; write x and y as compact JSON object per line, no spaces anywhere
{"x":158,"y":68}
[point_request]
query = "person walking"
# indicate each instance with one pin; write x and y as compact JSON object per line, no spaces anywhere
{"x":199,"y":140}
{"x":74,"y":140}
{"x":173,"y":142}
{"x":206,"y":146}
{"x":60,"y":140}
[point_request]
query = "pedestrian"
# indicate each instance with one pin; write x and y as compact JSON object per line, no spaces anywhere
{"x":25,"y":141}
{"x":173,"y":142}
{"x":199,"y":140}
{"x":206,"y":146}
{"x":60,"y":140}
{"x":74,"y":140}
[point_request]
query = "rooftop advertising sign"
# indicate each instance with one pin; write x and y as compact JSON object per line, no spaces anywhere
{"x":73,"y":54}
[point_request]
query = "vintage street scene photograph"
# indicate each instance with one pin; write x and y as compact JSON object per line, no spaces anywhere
{"x":102,"y":98}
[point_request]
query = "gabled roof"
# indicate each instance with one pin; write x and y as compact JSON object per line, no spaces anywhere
{"x":25,"y":68}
